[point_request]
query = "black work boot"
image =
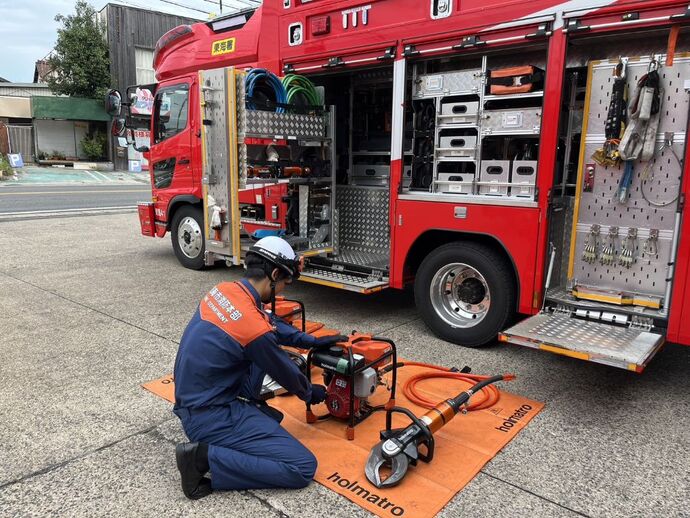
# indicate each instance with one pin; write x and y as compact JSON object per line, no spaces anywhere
{"x":192,"y":461}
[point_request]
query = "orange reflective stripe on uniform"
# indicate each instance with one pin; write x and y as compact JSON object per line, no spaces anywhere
{"x":230,"y":307}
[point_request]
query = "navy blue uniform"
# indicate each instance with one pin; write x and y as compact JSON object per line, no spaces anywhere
{"x":228,"y":347}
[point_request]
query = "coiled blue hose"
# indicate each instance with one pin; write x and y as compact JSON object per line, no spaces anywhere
{"x":258,"y":77}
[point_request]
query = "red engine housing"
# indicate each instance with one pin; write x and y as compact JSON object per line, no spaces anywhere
{"x":338,"y":397}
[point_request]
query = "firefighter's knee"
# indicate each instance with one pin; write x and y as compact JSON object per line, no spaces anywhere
{"x":305,"y":470}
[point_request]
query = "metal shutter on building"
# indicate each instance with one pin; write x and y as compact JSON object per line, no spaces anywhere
{"x":55,"y":135}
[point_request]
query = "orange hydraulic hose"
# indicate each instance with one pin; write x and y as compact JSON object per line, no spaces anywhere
{"x":486,"y":397}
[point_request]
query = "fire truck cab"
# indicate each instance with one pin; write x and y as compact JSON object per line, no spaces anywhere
{"x":476,"y":150}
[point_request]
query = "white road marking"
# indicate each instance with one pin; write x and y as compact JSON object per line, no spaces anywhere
{"x":93,"y":176}
{"x":55,"y":212}
{"x":107,"y":178}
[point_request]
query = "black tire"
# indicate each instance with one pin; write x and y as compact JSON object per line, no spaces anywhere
{"x":192,"y":256}
{"x":495,"y":281}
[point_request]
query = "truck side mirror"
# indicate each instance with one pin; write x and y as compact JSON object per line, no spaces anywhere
{"x":118,"y":127}
{"x":113,"y":103}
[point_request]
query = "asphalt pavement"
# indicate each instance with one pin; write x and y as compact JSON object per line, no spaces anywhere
{"x":90,"y":310}
{"x":43,"y":192}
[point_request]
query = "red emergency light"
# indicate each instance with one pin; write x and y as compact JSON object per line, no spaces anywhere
{"x":320,"y":25}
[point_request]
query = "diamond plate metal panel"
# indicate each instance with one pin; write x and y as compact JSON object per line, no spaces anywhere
{"x":612,"y":344}
{"x":241,"y":130}
{"x":350,"y":282}
{"x":287,"y":125}
{"x":363,"y":220}
{"x":449,"y":83}
{"x":303,"y":210}
{"x":379,"y":261}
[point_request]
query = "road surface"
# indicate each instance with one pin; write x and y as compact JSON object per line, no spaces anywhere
{"x":24,"y":201}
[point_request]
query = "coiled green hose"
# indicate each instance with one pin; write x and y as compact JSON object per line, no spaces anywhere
{"x":296,"y":85}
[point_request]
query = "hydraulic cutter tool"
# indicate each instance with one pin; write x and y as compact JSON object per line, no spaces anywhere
{"x":401,"y":447}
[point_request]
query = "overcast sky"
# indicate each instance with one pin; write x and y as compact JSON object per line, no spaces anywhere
{"x":28,"y":27}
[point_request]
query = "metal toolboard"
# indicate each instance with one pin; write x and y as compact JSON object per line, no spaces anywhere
{"x":648,"y":273}
{"x":220,"y":156}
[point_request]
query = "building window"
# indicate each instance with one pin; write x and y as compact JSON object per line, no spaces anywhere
{"x":144,"y":63}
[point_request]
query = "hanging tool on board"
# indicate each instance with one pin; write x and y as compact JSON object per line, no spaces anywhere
{"x":609,"y":252}
{"x":647,"y":175}
{"x":616,"y":118}
{"x":401,"y":447}
{"x":639,"y":137}
{"x":589,"y":254}
{"x":627,"y":255}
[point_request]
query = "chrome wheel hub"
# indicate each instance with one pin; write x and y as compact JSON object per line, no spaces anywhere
{"x":460,"y":295}
{"x":189,"y":237}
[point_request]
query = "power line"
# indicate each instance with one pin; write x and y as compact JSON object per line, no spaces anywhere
{"x":184,"y":6}
{"x":247,"y":3}
{"x":149,"y":8}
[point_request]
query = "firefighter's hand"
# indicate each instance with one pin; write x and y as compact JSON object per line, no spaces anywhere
{"x":318,"y":394}
{"x":327,"y":341}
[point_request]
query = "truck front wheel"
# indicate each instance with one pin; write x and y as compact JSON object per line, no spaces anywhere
{"x":465,"y":293}
{"x":188,"y":239}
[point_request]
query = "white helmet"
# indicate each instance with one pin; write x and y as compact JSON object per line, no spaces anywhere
{"x":278,"y":252}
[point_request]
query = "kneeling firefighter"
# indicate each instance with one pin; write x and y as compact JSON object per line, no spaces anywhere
{"x":225,"y":352}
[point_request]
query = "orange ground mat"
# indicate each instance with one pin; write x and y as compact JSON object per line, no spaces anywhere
{"x":463,"y":446}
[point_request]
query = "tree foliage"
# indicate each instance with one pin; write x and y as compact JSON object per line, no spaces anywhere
{"x":80,"y":62}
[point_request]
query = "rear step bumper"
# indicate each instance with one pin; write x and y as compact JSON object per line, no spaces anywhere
{"x":344,"y":281}
{"x":622,"y":347}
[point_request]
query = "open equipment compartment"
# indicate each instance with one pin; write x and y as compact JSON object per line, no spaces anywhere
{"x":258,"y":160}
{"x":360,"y":256}
{"x":469,"y":140}
{"x":612,"y":262}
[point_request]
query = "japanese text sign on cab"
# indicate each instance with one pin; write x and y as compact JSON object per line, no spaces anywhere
{"x":223,"y":47}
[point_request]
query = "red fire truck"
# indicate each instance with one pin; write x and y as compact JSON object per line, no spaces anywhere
{"x":504,"y":157}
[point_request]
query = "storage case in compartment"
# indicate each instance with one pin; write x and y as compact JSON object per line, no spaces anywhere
{"x":452,"y":183}
{"x":515,"y":80}
{"x":371,"y":171}
{"x":456,"y":177}
{"x":461,"y":112}
{"x":457,"y":146}
{"x":514,"y":121}
{"x":452,"y":83}
{"x":494,"y":171}
{"x":523,"y":178}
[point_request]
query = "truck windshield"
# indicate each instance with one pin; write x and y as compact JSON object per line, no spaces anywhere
{"x":172,"y":107}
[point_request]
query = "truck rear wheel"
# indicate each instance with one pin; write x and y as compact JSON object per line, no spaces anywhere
{"x":188,"y":239}
{"x":465,"y":293}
